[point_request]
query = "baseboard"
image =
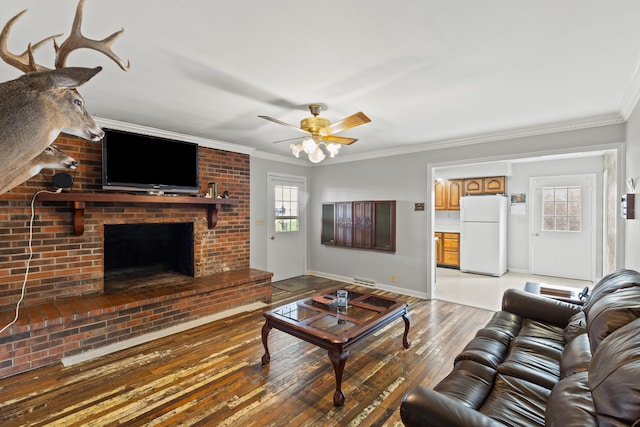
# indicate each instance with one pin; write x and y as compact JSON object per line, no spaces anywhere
{"x":122,"y":345}
{"x":382,"y":286}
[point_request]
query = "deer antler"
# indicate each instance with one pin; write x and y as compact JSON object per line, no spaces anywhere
{"x":25,"y":61}
{"x":76,"y":41}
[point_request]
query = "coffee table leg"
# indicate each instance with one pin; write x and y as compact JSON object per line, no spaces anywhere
{"x":338,"y":359}
{"x":406,"y":342}
{"x":266,"y":358}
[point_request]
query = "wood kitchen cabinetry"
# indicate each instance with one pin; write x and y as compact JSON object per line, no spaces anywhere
{"x":447,"y":249}
{"x":439,"y":248}
{"x":447,"y":194}
{"x":486,"y":185}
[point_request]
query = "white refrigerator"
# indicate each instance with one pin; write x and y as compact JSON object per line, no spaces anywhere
{"x":483,"y":234}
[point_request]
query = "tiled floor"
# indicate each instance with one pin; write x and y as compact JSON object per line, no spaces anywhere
{"x":481,"y":291}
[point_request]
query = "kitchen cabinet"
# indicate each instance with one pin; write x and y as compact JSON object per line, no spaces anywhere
{"x":494,"y":185}
{"x":447,"y":194}
{"x":439,"y":248}
{"x":448,"y":249}
{"x":485,"y":185}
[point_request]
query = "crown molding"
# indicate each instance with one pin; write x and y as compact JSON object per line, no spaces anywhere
{"x":631,"y":94}
{"x":565,"y":126}
{"x":204,"y":142}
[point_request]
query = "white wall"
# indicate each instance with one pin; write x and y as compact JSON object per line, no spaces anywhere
{"x":632,"y":227}
{"x":407,"y":179}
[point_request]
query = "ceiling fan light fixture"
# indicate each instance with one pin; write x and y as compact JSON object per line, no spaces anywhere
{"x":319,"y":131}
{"x":317,"y":156}
{"x":333,"y":149}
{"x":309,"y":146}
{"x":296,"y":149}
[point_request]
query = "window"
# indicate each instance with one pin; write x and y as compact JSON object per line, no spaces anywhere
{"x":286,"y":198}
{"x":561,"y":209}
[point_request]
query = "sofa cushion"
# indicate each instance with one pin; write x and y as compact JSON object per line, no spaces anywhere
{"x":469,"y":383}
{"x":516,"y":402}
{"x":576,"y":356}
{"x":484,"y":350}
{"x":506,"y":322}
{"x":549,"y":333}
{"x":570,"y":403}
{"x":610,"y":313}
{"x":533,"y":360}
{"x":614,"y":376}
{"x":619,"y":279}
{"x":501,"y":335}
{"x":577,"y":326}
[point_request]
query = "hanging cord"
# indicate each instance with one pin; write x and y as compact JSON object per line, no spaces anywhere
{"x":26,"y":273}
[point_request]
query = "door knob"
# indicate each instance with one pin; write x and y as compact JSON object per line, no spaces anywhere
{"x":273,"y":237}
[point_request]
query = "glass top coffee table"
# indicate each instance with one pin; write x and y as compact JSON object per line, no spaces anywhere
{"x":334,"y":328}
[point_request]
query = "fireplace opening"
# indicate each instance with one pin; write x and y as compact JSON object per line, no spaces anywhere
{"x":142,"y":251}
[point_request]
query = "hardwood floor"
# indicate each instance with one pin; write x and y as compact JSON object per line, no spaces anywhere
{"x":212,"y":375}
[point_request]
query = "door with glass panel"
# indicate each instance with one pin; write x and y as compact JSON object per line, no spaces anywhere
{"x":286,"y":241}
{"x":563,"y":232}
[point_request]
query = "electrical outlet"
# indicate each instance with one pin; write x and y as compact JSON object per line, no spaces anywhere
{"x":393,"y":279}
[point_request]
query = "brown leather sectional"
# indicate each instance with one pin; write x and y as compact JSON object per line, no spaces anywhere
{"x":542,"y":362}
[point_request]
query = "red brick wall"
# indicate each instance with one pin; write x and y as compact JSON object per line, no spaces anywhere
{"x":66,"y":265}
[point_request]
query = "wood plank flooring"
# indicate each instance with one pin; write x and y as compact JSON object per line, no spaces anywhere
{"x":211,"y":375}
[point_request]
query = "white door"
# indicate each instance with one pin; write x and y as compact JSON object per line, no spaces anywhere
{"x":562,"y":225}
{"x":286,"y":242}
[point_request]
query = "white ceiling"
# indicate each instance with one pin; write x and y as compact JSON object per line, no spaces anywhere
{"x":426,"y":72}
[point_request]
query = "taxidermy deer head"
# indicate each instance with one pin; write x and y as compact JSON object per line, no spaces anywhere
{"x":36,"y":107}
{"x":51,"y":158}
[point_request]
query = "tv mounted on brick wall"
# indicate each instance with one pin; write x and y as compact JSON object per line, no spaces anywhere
{"x":142,"y":163}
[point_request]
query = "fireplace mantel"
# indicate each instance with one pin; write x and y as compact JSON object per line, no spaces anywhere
{"x":79,"y":203}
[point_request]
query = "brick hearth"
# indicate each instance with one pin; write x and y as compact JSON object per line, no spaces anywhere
{"x":65,"y":310}
{"x":47,"y":332}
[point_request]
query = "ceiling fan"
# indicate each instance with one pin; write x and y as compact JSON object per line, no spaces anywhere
{"x":319,"y":131}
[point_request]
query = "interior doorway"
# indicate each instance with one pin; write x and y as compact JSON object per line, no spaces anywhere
{"x":608,"y":244}
{"x":286,"y":226}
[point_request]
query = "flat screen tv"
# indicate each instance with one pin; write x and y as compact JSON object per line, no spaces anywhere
{"x":135,"y":162}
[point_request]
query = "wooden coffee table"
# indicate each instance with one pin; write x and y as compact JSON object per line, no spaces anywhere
{"x":333,"y":331}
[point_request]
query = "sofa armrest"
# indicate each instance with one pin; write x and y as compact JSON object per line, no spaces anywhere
{"x":425,"y":407}
{"x":537,"y":307}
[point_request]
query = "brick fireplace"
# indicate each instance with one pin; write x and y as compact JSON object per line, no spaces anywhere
{"x":136,"y":251}
{"x":66,"y":310}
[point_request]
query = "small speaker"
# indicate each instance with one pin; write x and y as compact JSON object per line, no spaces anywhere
{"x":62,"y":180}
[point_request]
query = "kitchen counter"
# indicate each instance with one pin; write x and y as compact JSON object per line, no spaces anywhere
{"x":449,"y":228}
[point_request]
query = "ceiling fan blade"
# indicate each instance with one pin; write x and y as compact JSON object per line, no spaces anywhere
{"x":290,"y":139}
{"x":338,"y":139}
{"x":353,"y":120}
{"x":283,"y":123}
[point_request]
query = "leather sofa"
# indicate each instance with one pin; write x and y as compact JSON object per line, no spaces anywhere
{"x":540,"y":362}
